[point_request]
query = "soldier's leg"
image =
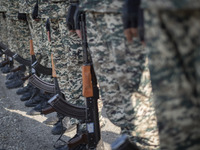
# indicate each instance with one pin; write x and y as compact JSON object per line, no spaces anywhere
{"x":60,"y":54}
{"x":118,"y":98}
{"x":3,"y":30}
{"x":145,"y":118}
{"x":104,"y":67}
{"x":173,"y":40}
{"x":12,"y":36}
{"x":23,"y":38}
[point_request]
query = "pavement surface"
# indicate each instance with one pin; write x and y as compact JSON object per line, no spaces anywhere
{"x":20,"y":131}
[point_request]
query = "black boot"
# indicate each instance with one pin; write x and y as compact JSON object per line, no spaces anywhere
{"x":123,"y":143}
{"x":24,"y":89}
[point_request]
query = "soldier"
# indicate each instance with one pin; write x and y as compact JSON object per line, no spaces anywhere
{"x":173,"y":39}
{"x":119,"y":66}
{"x":67,"y":50}
{"x":67,"y":55}
{"x":39,"y":37}
{"x":17,"y":33}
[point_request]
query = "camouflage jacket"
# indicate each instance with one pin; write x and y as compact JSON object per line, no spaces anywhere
{"x":102,"y":5}
{"x":3,"y":5}
{"x":53,"y":8}
{"x":171,"y":4}
{"x":13,"y":9}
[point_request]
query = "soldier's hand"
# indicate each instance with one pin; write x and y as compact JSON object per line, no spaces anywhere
{"x":78,"y":32}
{"x":130,"y":33}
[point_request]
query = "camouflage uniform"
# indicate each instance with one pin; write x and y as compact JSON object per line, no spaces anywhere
{"x":18,"y":30}
{"x":119,"y":67}
{"x":3,"y":26}
{"x":68,"y":69}
{"x":38,"y":32}
{"x":172,"y":33}
{"x":12,"y":27}
{"x":65,"y":48}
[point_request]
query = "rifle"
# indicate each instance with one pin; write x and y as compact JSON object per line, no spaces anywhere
{"x":34,"y":79}
{"x":88,"y":114}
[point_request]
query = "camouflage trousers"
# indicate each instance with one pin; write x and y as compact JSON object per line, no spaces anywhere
{"x":119,"y":67}
{"x":23,"y":33}
{"x":42,"y":45}
{"x":75,"y":61}
{"x":68,"y":73}
{"x":41,"y":41}
{"x":3,"y":29}
{"x":12,"y":28}
{"x":69,"y":62}
{"x":174,"y":57}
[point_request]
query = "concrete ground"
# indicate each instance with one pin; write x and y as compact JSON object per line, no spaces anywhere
{"x":19,"y":131}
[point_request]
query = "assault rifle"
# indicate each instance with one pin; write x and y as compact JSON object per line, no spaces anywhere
{"x":34,"y":79}
{"x":88,"y":114}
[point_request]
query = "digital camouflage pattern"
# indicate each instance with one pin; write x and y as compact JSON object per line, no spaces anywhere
{"x":173,"y":40}
{"x":3,"y":5}
{"x":3,"y":29}
{"x":13,"y":8}
{"x":12,"y":34}
{"x":18,"y":30}
{"x":3,"y":26}
{"x":67,"y":61}
{"x":171,"y":4}
{"x":53,"y":9}
{"x":40,"y":39}
{"x":23,"y":36}
{"x":146,"y":120}
{"x":119,"y":67}
{"x":26,"y":6}
{"x":102,"y":5}
{"x":74,"y":57}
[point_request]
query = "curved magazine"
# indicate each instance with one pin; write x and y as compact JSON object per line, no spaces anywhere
{"x":42,"y":85}
{"x":66,"y":109}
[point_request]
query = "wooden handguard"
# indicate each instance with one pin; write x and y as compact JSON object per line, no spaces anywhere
{"x":87,"y":81}
{"x":31,"y":48}
{"x":53,"y":67}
